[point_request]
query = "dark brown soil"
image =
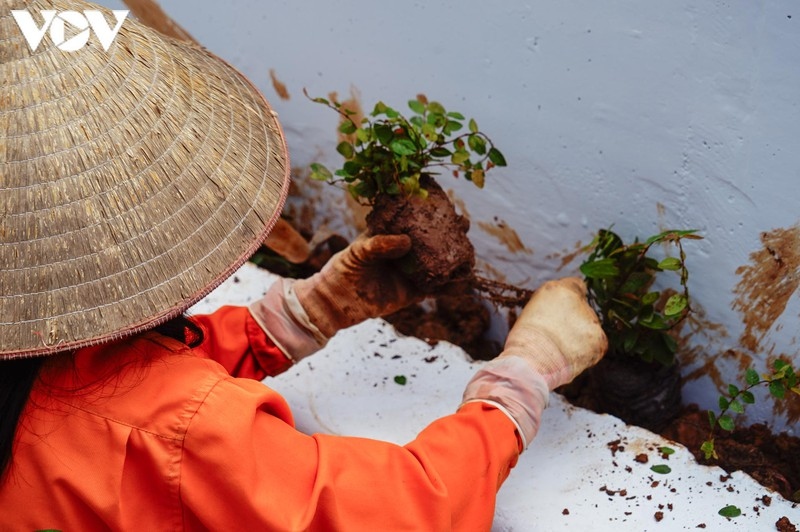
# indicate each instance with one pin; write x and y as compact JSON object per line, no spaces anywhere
{"x":771,"y":459}
{"x":462,"y":320}
{"x":441,"y":253}
{"x":644,"y":394}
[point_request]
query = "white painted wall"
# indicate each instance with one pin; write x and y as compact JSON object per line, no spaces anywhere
{"x":604,"y":110}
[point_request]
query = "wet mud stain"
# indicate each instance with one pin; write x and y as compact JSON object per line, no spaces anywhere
{"x":567,"y":256}
{"x":149,"y":13}
{"x":768,"y":283}
{"x":504,"y":234}
{"x":279,"y":86}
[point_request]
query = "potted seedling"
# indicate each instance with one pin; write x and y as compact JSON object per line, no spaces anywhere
{"x":390,"y":161}
{"x":639,"y":378}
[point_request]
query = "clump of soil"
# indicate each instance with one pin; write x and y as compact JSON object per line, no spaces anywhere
{"x":640,"y":393}
{"x":462,"y":320}
{"x":441,"y":252}
{"x":771,"y":459}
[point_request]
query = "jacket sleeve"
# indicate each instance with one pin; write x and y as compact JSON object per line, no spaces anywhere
{"x":244,"y":464}
{"x":236,"y":341}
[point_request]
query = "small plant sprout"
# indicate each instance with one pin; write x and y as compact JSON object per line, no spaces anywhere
{"x":780,"y":380}
{"x":388,"y":152}
{"x":620,"y":278}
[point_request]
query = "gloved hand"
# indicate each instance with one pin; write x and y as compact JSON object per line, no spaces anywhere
{"x":356,"y":284}
{"x":558,"y":333}
{"x":556,"y":336}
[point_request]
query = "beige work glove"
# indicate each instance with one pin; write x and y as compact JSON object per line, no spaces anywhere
{"x":358,"y":283}
{"x":555,"y":338}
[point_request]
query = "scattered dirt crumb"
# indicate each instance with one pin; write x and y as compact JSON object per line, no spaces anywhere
{"x":767,"y":500}
{"x":784,"y":525}
{"x":659,"y":516}
{"x":615,"y":446}
{"x":565,"y":511}
{"x":641,"y":458}
{"x":701,"y":525}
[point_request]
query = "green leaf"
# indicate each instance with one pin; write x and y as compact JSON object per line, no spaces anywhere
{"x":320,"y":100}
{"x":459,"y":157}
{"x":661,"y":469}
{"x":429,"y":131}
{"x":600,"y":269}
{"x":363,"y":135}
{"x":650,"y":298}
{"x":496,"y":157}
{"x":451,"y":126}
{"x":455,"y":116}
{"x":666,"y":450}
{"x":440,"y":152}
{"x":417,"y":106}
{"x":477,"y":144}
{"x":675,"y":305}
{"x":670,"y":263}
{"x":384,"y":133}
{"x":723,"y":402}
{"x":380,"y":108}
{"x":712,"y":419}
{"x":730,"y":511}
{"x":708,"y":449}
{"x":671,"y":233}
{"x":733,"y":390}
{"x":347,"y":127}
{"x":655,"y":322}
{"x":351,"y":168}
{"x":748,"y":398}
{"x":751,"y":377}
{"x":737,"y":407}
{"x":726,"y":423}
{"x":400,"y":379}
{"x":777,"y":389}
{"x":473,"y":125}
{"x":436,"y":108}
{"x":345,"y":149}
{"x":320,"y":173}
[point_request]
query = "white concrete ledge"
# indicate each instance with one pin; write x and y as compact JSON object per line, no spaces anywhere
{"x":581,"y":472}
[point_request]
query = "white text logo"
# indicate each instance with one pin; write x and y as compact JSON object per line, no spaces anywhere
{"x":56,"y":22}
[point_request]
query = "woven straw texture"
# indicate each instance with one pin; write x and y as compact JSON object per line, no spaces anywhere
{"x":132,"y":182}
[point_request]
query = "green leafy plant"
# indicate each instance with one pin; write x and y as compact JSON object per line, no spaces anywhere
{"x":635,"y":317}
{"x":388,"y":152}
{"x":781,"y":379}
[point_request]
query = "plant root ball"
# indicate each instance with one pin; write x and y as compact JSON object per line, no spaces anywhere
{"x":441,"y":252}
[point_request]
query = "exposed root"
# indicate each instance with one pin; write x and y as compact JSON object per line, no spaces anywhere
{"x":502,"y":294}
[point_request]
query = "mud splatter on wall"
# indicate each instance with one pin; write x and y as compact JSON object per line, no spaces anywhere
{"x":768,"y":283}
{"x":505,"y":235}
{"x":279,"y":86}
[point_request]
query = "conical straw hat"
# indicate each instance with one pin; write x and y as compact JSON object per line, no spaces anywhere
{"x":132,"y":181}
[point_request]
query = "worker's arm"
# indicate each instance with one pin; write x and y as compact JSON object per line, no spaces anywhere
{"x":244,"y":466}
{"x":243,"y":462}
{"x":295,"y":319}
{"x":237,"y":341}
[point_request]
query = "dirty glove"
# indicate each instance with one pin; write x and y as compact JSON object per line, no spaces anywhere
{"x":356,"y":284}
{"x":555,"y":338}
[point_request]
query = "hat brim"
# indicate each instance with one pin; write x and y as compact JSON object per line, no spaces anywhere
{"x":133,"y":181}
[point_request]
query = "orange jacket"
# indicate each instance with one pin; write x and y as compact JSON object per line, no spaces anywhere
{"x":147,"y":434}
